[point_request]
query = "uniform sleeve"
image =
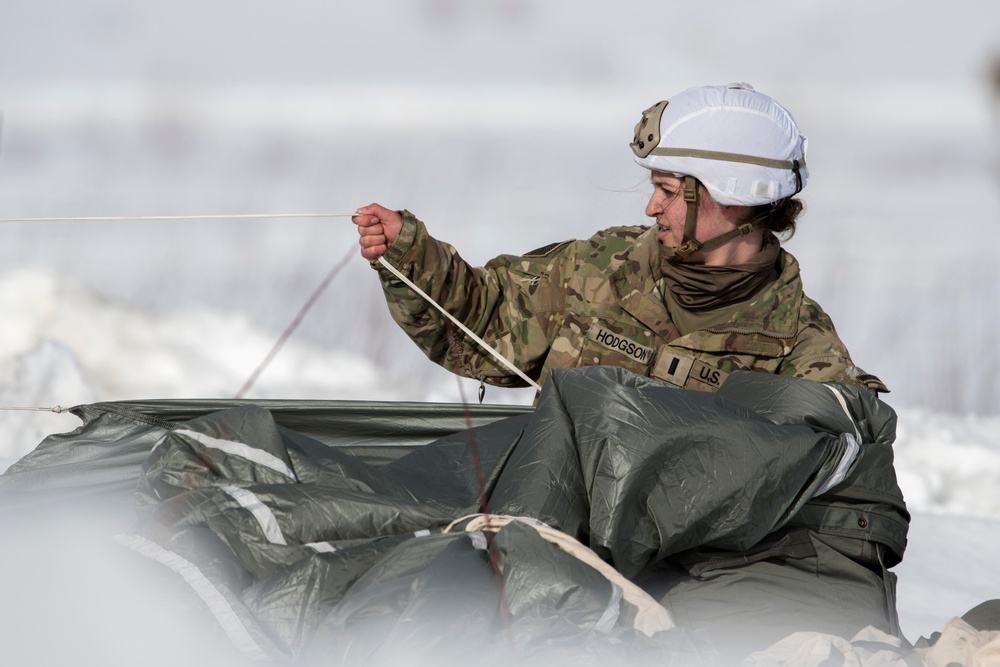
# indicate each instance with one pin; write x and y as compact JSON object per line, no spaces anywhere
{"x":820,"y":355}
{"x":500,"y":303}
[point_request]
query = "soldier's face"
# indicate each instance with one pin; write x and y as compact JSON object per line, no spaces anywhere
{"x":668,"y":208}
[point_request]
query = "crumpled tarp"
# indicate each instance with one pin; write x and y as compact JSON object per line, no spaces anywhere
{"x":306,"y":552}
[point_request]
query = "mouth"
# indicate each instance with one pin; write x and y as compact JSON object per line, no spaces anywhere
{"x":663,"y":235}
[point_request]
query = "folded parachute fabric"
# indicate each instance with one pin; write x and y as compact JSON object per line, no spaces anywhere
{"x":649,"y":617}
{"x":305,"y":552}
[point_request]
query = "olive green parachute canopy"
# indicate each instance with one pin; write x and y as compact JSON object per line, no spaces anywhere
{"x":339,"y":533}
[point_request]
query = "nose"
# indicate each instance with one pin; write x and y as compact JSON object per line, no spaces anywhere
{"x":655,"y":205}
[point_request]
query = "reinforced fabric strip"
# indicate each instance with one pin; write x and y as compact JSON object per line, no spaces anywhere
{"x":265,"y":517}
{"x":612,"y":611}
{"x":242,"y":450}
{"x":729,"y":157}
{"x":204,"y":588}
{"x":843,"y":406}
{"x":853,"y":448}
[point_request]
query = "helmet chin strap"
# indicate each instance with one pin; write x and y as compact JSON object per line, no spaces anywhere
{"x":688,"y":244}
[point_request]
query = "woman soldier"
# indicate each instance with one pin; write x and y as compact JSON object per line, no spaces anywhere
{"x":703,"y":293}
{"x":706,"y":291}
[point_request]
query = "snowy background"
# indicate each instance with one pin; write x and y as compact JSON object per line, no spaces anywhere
{"x":503,"y":124}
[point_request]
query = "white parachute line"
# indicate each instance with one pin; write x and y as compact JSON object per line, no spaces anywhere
{"x":232,"y":216}
{"x":496,"y":355}
{"x":55,"y":408}
{"x":244,"y":216}
{"x":237,"y":216}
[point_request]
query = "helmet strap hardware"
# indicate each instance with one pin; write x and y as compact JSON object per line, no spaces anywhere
{"x":689,"y":245}
{"x":798,"y":177}
{"x":647,"y":130}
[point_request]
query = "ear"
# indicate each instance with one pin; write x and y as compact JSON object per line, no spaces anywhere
{"x":735,"y":214}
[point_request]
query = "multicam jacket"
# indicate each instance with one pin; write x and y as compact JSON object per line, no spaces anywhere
{"x":596,"y":302}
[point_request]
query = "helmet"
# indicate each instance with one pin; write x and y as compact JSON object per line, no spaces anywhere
{"x":744,"y":147}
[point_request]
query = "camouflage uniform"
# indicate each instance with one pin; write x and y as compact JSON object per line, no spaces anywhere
{"x":600,"y":301}
{"x":597,"y":302}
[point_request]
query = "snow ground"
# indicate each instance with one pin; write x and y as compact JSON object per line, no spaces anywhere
{"x":948,"y":465}
{"x":500,"y":120}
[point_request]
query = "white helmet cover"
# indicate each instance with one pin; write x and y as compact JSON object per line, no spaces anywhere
{"x":744,"y":147}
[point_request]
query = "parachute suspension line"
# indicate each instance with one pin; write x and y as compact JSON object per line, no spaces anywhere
{"x":473,"y":450}
{"x":484,"y":509}
{"x":496,"y":355}
{"x":237,"y":216}
{"x":286,"y":334}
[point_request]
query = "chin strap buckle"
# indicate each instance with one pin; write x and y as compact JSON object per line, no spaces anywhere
{"x":686,"y":249}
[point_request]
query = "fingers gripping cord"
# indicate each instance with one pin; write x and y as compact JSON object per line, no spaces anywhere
{"x":496,"y":355}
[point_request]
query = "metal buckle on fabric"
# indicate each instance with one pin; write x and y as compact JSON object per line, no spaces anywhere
{"x":798,"y":177}
{"x":688,"y":243}
{"x":647,"y":130}
{"x":690,"y":191}
{"x":686,"y":248}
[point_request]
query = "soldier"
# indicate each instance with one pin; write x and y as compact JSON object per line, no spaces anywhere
{"x":705,"y":291}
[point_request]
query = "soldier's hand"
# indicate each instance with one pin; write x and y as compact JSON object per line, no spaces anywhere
{"x":378,"y":227}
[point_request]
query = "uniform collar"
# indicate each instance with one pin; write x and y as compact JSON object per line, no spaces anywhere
{"x":771,"y":321}
{"x":634,"y":284}
{"x":768,"y":326}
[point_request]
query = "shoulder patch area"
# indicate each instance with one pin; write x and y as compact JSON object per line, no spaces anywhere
{"x":873,"y":383}
{"x":547,"y":249}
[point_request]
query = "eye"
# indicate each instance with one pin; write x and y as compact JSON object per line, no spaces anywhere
{"x":668,"y":189}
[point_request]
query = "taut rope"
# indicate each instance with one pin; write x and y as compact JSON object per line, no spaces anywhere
{"x":305,"y":308}
{"x":238,"y":216}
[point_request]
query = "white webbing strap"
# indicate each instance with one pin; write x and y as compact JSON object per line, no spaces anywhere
{"x":851,"y":451}
{"x":496,"y":355}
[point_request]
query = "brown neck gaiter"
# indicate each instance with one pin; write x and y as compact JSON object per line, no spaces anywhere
{"x":697,"y":287}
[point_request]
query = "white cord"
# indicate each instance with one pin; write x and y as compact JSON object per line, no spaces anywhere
{"x":382,"y":261}
{"x":499,"y":357}
{"x":180,"y":217}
